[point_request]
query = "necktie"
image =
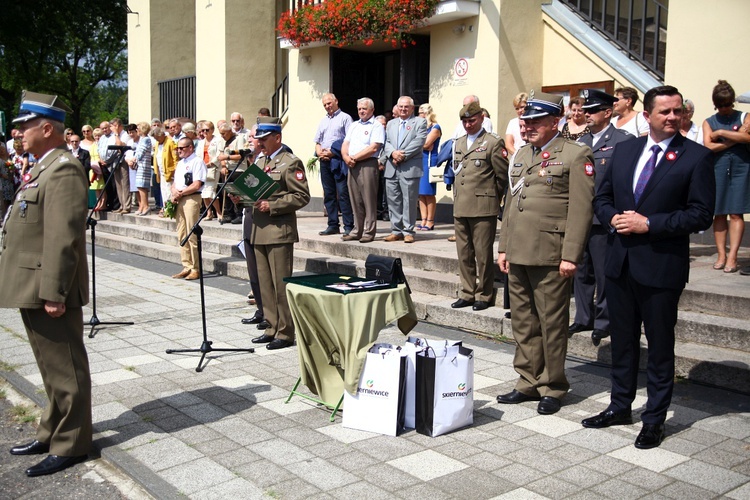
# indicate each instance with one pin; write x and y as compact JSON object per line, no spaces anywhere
{"x":401,"y":130}
{"x":648,"y":169}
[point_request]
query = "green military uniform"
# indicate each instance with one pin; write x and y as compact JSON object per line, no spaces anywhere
{"x":481,"y":178}
{"x":44,"y":259}
{"x":273,"y":236}
{"x":547,"y":217}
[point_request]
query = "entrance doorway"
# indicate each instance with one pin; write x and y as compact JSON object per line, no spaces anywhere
{"x":382,"y":76}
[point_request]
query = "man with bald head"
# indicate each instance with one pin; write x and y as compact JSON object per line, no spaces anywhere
{"x":333,"y":174}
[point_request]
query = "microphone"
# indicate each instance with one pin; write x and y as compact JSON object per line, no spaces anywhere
{"x":119,"y":148}
{"x":243,"y":152}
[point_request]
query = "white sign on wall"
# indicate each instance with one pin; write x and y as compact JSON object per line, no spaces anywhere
{"x":460,"y":71}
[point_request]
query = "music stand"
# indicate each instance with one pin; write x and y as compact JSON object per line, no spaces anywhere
{"x":206,"y":345}
{"x":94,"y":322}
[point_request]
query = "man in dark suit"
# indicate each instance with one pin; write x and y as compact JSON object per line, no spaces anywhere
{"x":44,"y":265}
{"x":404,"y":139}
{"x":658,"y":190}
{"x":83,"y":156}
{"x":590,"y":274}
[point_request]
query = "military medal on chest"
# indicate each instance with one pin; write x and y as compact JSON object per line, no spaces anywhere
{"x":543,"y":171}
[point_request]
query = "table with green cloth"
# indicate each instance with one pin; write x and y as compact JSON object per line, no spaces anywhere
{"x":335,"y":330}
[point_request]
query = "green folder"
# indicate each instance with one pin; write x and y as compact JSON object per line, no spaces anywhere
{"x":252,"y":185}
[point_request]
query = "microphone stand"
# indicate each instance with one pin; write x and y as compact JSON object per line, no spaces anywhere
{"x":94,"y":322}
{"x":206,"y":345}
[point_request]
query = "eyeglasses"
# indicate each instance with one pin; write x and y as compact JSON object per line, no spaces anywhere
{"x":236,"y":121}
{"x":74,"y":142}
{"x":180,"y":148}
{"x":69,"y":133}
{"x":204,"y":130}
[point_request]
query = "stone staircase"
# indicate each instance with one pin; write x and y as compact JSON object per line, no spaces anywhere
{"x":713,"y":331}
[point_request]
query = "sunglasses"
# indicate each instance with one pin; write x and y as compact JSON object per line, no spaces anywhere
{"x":204,"y":130}
{"x":180,"y":148}
{"x":236,"y":121}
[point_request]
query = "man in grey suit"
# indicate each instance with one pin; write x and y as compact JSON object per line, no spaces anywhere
{"x":592,"y":314}
{"x":404,"y":139}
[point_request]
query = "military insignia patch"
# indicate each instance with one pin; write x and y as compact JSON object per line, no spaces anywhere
{"x":505,"y":153}
{"x":545,"y":155}
{"x":589,"y":169}
{"x":300,"y":175}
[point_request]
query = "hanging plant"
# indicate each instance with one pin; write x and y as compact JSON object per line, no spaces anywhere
{"x":345,"y":22}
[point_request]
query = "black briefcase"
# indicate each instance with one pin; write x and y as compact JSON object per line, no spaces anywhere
{"x":385,"y":270}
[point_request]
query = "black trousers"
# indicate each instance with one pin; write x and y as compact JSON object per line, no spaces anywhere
{"x":630,"y":304}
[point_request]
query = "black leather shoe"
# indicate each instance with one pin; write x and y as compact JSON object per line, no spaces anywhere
{"x":515,"y":397}
{"x":598,"y":335}
{"x":578,"y":327}
{"x":329,"y":230}
{"x":32,"y":448}
{"x":237,"y":220}
{"x":257,"y":318}
{"x":279,"y":344}
{"x":480,"y":305}
{"x":607,"y":418}
{"x":548,"y":405}
{"x":52,"y":464}
{"x":650,"y":436}
{"x":263,"y":325}
{"x":263,"y":339}
{"x":507,"y":315}
{"x":461,"y":303}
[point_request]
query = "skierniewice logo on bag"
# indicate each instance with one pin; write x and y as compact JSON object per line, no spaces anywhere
{"x":461,"y":393}
{"x":369,"y":390}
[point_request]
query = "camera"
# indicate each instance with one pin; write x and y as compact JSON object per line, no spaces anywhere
{"x":188,"y":178}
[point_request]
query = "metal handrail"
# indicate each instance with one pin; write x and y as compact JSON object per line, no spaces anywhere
{"x":628,"y":32}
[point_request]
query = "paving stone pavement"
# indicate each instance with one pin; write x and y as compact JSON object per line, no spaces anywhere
{"x":227,"y":432}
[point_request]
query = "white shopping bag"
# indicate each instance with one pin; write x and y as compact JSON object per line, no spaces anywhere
{"x":444,"y":390}
{"x":412,"y":346}
{"x":378,"y":405}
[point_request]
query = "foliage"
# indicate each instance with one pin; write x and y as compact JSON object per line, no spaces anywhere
{"x":345,"y":22}
{"x":312,"y":165}
{"x":54,"y":47}
{"x":169,"y":209}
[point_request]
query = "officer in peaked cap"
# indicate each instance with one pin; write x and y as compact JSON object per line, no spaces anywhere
{"x":44,"y":258}
{"x":589,"y":278}
{"x":545,"y":224}
{"x":480,"y":164}
{"x":274,"y":231}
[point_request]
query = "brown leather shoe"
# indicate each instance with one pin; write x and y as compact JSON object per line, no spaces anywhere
{"x":181,"y":274}
{"x":366,"y":239}
{"x":350,"y":237}
{"x":451,"y":238}
{"x":408,"y":239}
{"x":394,"y":237}
{"x":194,"y":275}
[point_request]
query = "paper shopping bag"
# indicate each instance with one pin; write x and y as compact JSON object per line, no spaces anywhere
{"x":444,"y":390}
{"x":378,"y":405}
{"x":412,"y":346}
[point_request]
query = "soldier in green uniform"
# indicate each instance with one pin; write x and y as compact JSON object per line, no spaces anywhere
{"x":545,"y":226}
{"x":481,"y":177}
{"x":275,"y":232}
{"x":43,"y":266}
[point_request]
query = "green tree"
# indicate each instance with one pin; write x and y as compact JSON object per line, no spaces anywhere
{"x":76,"y":51}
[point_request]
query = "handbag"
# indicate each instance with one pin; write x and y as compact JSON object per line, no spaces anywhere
{"x":436,"y":174}
{"x":378,"y":405}
{"x":211,"y":174}
{"x":385,"y":270}
{"x":444,"y":389}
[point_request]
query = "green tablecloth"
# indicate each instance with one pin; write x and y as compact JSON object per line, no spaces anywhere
{"x":334,"y":332}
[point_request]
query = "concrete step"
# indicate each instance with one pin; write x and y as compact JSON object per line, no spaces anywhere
{"x":713,"y":330}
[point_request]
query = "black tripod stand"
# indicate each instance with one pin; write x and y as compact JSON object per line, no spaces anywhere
{"x":94,"y":322}
{"x":206,"y":345}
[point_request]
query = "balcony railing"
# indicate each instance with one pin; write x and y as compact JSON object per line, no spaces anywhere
{"x":639,"y":27}
{"x":280,"y":99}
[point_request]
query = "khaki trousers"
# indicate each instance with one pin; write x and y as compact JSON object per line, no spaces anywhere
{"x":475,"y":237}
{"x":363,"y":193}
{"x":58,"y":347}
{"x":274,"y":264}
{"x":187,"y":213}
{"x":540,"y":301}
{"x":122,"y":184}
